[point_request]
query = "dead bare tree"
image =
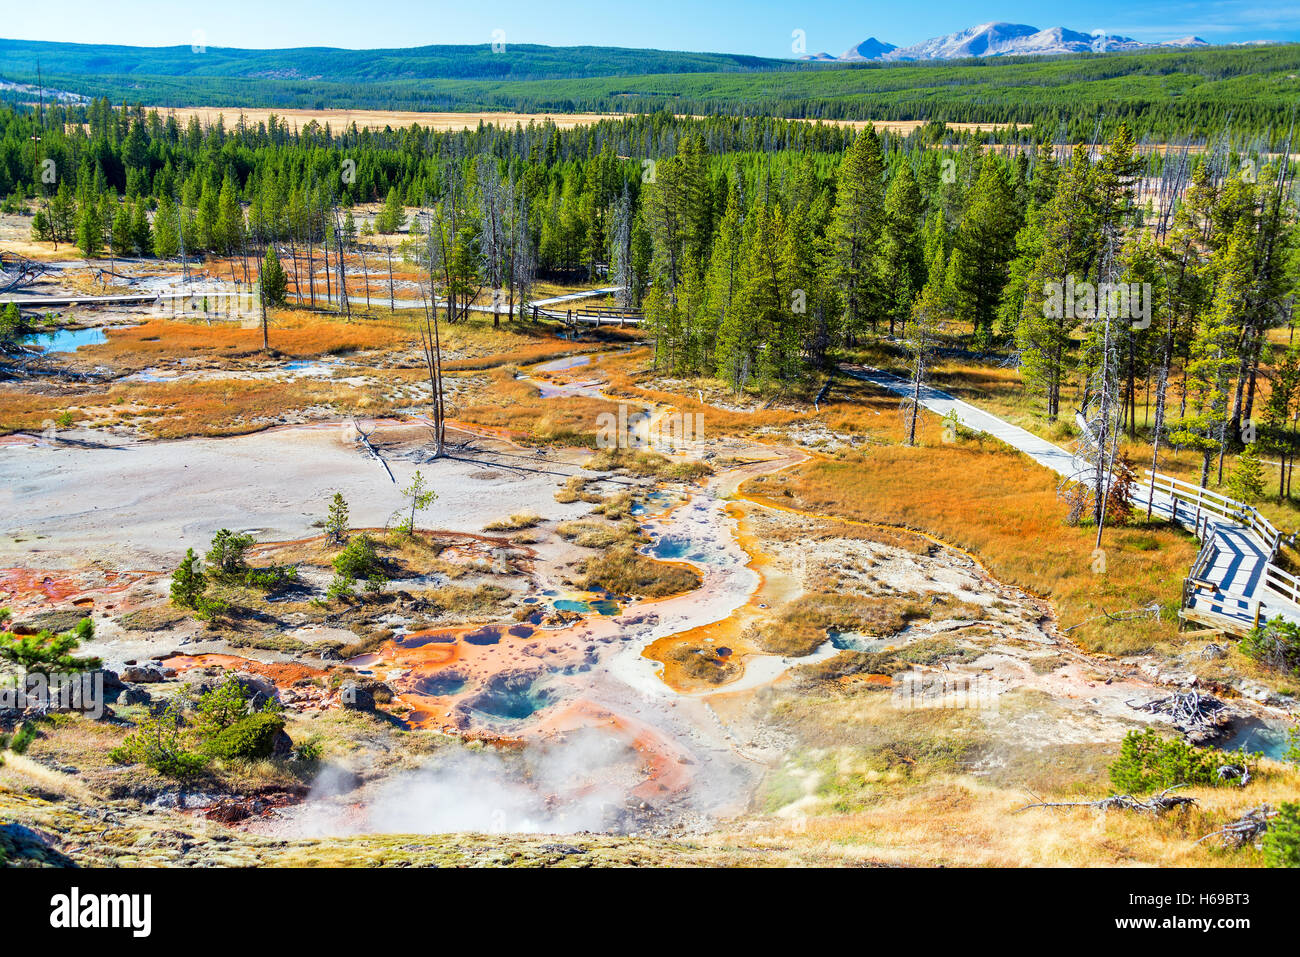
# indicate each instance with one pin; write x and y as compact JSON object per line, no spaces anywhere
{"x":1157,"y":804}
{"x":340,"y":241}
{"x":492,"y":243}
{"x":462,"y":281}
{"x":1245,"y":830}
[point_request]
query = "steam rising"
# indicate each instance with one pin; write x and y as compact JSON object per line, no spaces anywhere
{"x":576,"y":784}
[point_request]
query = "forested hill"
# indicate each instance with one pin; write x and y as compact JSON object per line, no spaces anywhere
{"x":1165,"y":94}
{"x":514,"y":61}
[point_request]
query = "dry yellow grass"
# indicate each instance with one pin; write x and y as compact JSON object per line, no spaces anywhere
{"x":517,"y":408}
{"x":339,"y":120}
{"x":171,"y":410}
{"x":997,"y":505}
{"x":869,"y":781}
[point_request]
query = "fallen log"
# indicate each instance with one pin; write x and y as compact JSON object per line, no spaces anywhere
{"x":1187,"y":709}
{"x":1245,"y":830}
{"x":1156,"y":804}
{"x":365,"y":440}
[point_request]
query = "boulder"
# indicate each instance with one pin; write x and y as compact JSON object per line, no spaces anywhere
{"x":142,"y":674}
{"x":282,"y":745}
{"x":356,"y":697}
{"x":260,"y":690}
{"x":133,"y":694}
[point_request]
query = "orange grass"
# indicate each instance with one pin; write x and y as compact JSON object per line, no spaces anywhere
{"x":1002,"y":508}
{"x":169,"y":410}
{"x":291,"y":333}
{"x":517,"y":407}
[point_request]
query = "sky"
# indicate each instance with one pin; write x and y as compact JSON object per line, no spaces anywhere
{"x":759,"y":27}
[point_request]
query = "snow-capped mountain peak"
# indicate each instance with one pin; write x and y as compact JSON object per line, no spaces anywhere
{"x":1005,"y":39}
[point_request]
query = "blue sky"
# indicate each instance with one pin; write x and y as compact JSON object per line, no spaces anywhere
{"x":762,"y":27}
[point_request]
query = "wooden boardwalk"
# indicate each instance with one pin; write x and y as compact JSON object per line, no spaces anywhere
{"x":1234,"y":582}
{"x":538,"y":307}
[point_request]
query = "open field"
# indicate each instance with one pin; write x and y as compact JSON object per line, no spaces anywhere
{"x":340,"y":120}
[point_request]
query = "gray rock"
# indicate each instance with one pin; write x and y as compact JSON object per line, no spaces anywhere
{"x":354,"y":697}
{"x":282,"y":746}
{"x":142,"y":674}
{"x":133,"y":694}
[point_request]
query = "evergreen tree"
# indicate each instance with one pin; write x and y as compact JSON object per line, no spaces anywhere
{"x":166,"y":229}
{"x":392,"y":218}
{"x":985,"y":241}
{"x":188,"y":582}
{"x":90,"y":229}
{"x":859,"y":220}
{"x":1047,"y":323}
{"x":228,"y":230}
{"x":122,"y":235}
{"x":1212,"y":359}
{"x":336,"y":523}
{"x":141,"y":238}
{"x":1246,"y":481}
{"x":901,"y":265}
{"x":275,"y":284}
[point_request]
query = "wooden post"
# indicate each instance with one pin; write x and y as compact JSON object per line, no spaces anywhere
{"x":1256,"y":625}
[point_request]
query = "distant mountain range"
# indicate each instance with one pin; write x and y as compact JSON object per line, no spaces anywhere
{"x":1000,"y":39}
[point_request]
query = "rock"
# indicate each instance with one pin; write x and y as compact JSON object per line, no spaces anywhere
{"x":1253,"y":691}
{"x":142,"y":674}
{"x":354,"y":697}
{"x":202,"y":680}
{"x":228,"y":813}
{"x":282,"y":745}
{"x":260,"y":690}
{"x":111,"y":680}
{"x":133,"y":694}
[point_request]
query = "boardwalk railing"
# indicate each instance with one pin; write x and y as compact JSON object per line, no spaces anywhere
{"x":1205,"y":512}
{"x":1203,"y":504}
{"x":1282,"y":583}
{"x":594,"y":317}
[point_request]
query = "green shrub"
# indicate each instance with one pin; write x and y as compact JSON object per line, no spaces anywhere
{"x":359,"y":560}
{"x":1149,"y":761}
{"x":223,"y":706}
{"x":308,"y":751}
{"x":11,"y":323}
{"x":341,"y":588}
{"x":1275,"y":644}
{"x":250,"y":737}
{"x":224,"y":728}
{"x":162,"y":743}
{"x":25,"y":735}
{"x":1281,"y":843}
{"x":271,"y":578}
{"x":188,"y":582}
{"x":228,"y":555}
{"x":47,"y":652}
